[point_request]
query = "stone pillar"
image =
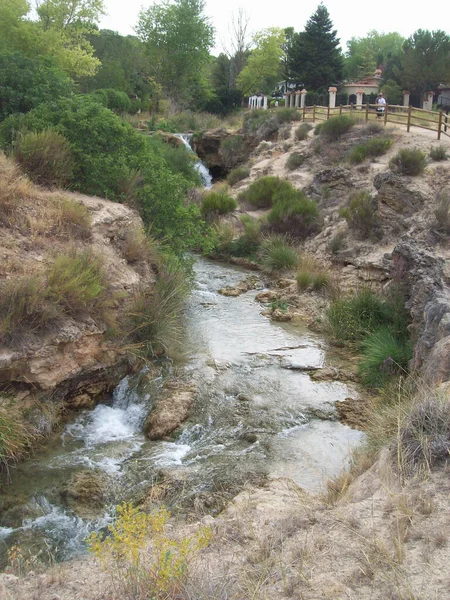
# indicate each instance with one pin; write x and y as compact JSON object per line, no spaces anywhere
{"x":250,"y":102}
{"x":297,"y":99}
{"x":428,"y":101}
{"x":332,"y":91}
{"x":265,"y":102}
{"x":405,"y":97}
{"x":286,"y":100}
{"x":258,"y":102}
{"x":303,"y":98}
{"x":359,"y":98}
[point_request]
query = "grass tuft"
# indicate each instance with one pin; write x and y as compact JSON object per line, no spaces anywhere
{"x":295,"y":160}
{"x":370,"y":149}
{"x":438,"y":153}
{"x":408,"y":162}
{"x":335,"y":127}
{"x":277,"y":254}
{"x":237,"y":174}
{"x":301,"y":133}
{"x":361,"y":214}
{"x":261,"y":192}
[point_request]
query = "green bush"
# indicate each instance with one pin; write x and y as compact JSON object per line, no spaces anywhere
{"x":23,"y":309}
{"x":76,"y":282}
{"x":237,"y":174}
{"x":337,"y":242}
{"x":260,"y":193}
{"x":72,"y":218}
{"x":335,"y":127}
{"x":438,"y":153}
{"x":179,"y":159}
{"x":252,"y":228}
{"x":295,"y":160}
{"x":118,"y":102}
{"x":301,"y":133}
{"x":293,"y":212}
{"x":287,"y":115}
{"x":352,"y":319}
{"x":46,"y":157}
{"x":217,"y":202}
{"x":372,"y":148}
{"x":383,"y":355}
{"x":361,"y":214}
{"x":310,"y":280}
{"x":408,"y":162}
{"x":276,"y":254}
{"x":233,"y":150}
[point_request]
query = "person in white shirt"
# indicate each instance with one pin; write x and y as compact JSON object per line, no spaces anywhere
{"x":381,"y":103}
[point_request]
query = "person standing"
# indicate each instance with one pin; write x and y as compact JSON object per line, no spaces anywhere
{"x":381,"y":104}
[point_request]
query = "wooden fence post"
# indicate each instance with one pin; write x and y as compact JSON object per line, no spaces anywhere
{"x":340,"y":109}
{"x":440,"y":125}
{"x":314,"y":113}
{"x":408,"y":123}
{"x":386,"y":113}
{"x":328,"y":113}
{"x":367,"y":112}
{"x":304,"y":113}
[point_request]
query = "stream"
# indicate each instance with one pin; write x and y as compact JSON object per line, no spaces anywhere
{"x":253,"y":418}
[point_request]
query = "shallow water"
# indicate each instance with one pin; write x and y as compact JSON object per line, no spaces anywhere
{"x":252,"y":419}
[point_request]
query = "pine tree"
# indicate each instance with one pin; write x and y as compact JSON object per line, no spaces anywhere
{"x":316,"y":58}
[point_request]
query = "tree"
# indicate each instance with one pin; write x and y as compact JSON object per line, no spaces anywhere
{"x":63,"y":14}
{"x":316,"y":59}
{"x":263,"y":69}
{"x":240,"y":44}
{"x":426,"y":61}
{"x":365,"y":54}
{"x":178,"y":38}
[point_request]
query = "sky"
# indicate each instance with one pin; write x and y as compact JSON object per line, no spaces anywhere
{"x":350,"y":18}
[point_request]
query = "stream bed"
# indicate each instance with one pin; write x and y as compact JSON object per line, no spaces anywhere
{"x":253,"y":418}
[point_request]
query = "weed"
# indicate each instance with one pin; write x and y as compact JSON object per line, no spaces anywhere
{"x":137,"y":246}
{"x":46,"y":157}
{"x":337,"y":242}
{"x":278,"y":305}
{"x":233,"y":150}
{"x":217,"y":202}
{"x":260,"y":193}
{"x":442,"y":213}
{"x":335,"y":127}
{"x":284,"y":133}
{"x":384,"y":354}
{"x":408,"y":162}
{"x":277,"y":255}
{"x":237,"y":174}
{"x":372,"y":148}
{"x":15,"y":438}
{"x":295,"y":160}
{"x":301,"y":133}
{"x":361,"y":214}
{"x":157,"y":572}
{"x":252,"y":228}
{"x":293,"y":212}
{"x":438,"y":153}
{"x":72,"y":218}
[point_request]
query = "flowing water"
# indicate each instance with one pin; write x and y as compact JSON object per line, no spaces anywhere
{"x":203,"y":171}
{"x":253,"y":418}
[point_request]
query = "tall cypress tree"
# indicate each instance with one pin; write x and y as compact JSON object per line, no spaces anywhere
{"x":316,"y":58}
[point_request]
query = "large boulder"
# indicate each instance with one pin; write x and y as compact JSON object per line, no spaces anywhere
{"x":170,"y":410}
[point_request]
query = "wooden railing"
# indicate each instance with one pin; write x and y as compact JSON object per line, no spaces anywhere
{"x":398,"y":115}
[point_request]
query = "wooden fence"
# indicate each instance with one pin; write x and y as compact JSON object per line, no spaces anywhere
{"x":399,"y":115}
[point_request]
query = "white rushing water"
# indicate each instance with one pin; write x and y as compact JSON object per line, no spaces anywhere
{"x":199,"y":166}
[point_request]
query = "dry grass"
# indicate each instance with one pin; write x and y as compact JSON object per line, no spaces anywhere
{"x":14,"y":190}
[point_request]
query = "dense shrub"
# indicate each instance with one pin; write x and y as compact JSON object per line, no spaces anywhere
{"x":314,"y":280}
{"x":76,"y":282}
{"x":301,"y":133}
{"x":408,"y":162}
{"x":293,"y":212}
{"x":438,"y":153}
{"x":237,"y":174}
{"x":335,"y":127}
{"x":260,"y":193}
{"x":295,"y":160}
{"x":383,"y":354}
{"x":361,"y":214}
{"x":217,"y":202}
{"x":372,"y":148}
{"x":337,"y":242}
{"x":179,"y":159}
{"x":233,"y":150}
{"x":118,"y":102}
{"x":353,"y":318}
{"x":46,"y":157}
{"x":276,"y":254}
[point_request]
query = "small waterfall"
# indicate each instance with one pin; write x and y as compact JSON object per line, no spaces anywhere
{"x":199,"y":166}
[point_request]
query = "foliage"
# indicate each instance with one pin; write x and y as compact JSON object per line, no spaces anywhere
{"x":438,"y":153}
{"x":23,"y":309}
{"x":76,"y":282}
{"x":237,"y":174}
{"x":252,"y":228}
{"x":301,"y":133}
{"x":316,"y":59}
{"x":365,"y":54}
{"x":295,"y":160}
{"x":178,"y":39}
{"x":233,"y":150}
{"x":153,"y":321}
{"x":442,"y":213}
{"x":361,"y":214}
{"x":46,"y":157}
{"x":374,"y":147}
{"x":260,"y":193}
{"x":425,"y":60}
{"x":116,"y":101}
{"x":276,"y":254}
{"x":293,"y":212}
{"x":383,"y":354}
{"x":337,"y":242}
{"x":351,"y":319}
{"x":262,"y":71}
{"x":335,"y":127}
{"x":72,"y":218}
{"x":179,"y":159}
{"x":217,"y":202}
{"x":408,"y":161}
{"x":309,"y":279}
{"x":392,"y":92}
{"x":156,"y":572}
{"x":27,"y":82}
{"x":15,"y":437}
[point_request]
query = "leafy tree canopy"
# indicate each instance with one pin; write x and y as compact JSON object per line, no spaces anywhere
{"x":263,"y":69}
{"x":316,"y":59}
